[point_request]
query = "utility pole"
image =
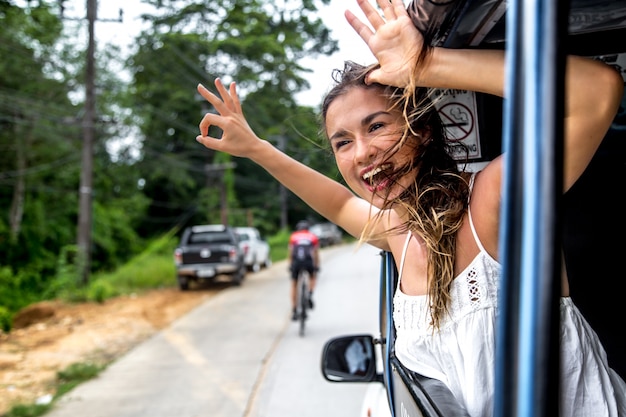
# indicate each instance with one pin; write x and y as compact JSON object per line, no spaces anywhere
{"x":210,"y":169}
{"x":85,"y":190}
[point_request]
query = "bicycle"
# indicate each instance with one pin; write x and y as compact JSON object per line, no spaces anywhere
{"x":303,"y":299}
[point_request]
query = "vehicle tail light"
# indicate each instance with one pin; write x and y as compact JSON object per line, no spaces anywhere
{"x":178,"y":256}
{"x":246,"y":248}
{"x":232,"y":255}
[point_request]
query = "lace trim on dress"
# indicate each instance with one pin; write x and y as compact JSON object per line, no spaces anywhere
{"x":471,"y":289}
{"x":470,"y":277}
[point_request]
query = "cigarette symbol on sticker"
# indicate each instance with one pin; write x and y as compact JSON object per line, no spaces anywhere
{"x":457,"y":119}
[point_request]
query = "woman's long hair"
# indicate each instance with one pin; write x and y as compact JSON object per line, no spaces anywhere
{"x":438,"y":198}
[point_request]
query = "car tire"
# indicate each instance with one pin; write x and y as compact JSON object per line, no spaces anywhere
{"x":239,"y":276}
{"x":256,"y":266}
{"x":183,"y":283}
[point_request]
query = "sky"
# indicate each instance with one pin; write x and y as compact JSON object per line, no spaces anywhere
{"x":350,"y":44}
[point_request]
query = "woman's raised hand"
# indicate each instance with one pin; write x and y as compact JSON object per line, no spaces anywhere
{"x":394,"y":40}
{"x":237,"y":137}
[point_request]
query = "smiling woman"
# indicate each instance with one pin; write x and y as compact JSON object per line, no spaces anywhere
{"x":438,"y":219}
{"x":457,"y":24}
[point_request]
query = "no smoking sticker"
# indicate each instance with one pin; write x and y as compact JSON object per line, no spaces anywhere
{"x":457,"y":110}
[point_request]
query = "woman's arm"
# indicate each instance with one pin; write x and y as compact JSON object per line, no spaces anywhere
{"x":396,"y":43}
{"x":593,"y":90}
{"x":326,"y":196}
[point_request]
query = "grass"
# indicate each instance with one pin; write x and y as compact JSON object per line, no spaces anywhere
{"x":67,"y":380}
{"x":33,"y":410}
{"x":153,"y":268}
{"x":74,"y":375}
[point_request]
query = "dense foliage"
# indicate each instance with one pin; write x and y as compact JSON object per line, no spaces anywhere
{"x":151,"y":178}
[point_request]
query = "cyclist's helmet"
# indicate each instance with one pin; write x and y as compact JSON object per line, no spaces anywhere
{"x":302,"y":225}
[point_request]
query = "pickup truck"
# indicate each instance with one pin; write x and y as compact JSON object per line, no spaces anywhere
{"x":209,"y":252}
{"x":256,"y":250}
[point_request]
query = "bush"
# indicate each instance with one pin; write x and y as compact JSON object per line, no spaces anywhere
{"x":67,"y":279}
{"x":279,"y":244}
{"x":17,"y":290}
{"x":100,"y":290}
{"x":6,"y":319}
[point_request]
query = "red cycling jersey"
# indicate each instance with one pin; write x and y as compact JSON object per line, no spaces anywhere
{"x":302,"y":244}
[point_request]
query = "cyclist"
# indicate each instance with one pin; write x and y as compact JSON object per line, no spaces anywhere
{"x":303,"y":254}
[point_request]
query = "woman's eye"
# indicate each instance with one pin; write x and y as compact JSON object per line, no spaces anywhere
{"x":375,"y":126}
{"x":340,"y":143}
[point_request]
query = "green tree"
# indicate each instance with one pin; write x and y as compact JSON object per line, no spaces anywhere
{"x":34,"y":108}
{"x":41,"y":87}
{"x":257,"y":43}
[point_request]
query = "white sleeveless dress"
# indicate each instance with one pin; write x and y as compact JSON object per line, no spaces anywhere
{"x":461,"y":353}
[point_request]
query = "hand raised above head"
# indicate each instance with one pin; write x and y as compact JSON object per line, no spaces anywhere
{"x":237,"y":137}
{"x":394,"y":40}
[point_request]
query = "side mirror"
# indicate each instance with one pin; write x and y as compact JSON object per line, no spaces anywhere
{"x":350,"y":359}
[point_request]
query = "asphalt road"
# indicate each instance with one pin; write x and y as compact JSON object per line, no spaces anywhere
{"x":239,"y":355}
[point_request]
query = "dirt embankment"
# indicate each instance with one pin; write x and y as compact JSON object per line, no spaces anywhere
{"x":50,"y":336}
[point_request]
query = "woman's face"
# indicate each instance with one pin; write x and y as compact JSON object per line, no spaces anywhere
{"x":362,"y":131}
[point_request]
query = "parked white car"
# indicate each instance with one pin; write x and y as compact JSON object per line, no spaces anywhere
{"x":328,"y":233}
{"x":256,"y":250}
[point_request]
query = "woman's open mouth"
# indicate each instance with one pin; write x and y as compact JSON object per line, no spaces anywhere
{"x":377,"y":178}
